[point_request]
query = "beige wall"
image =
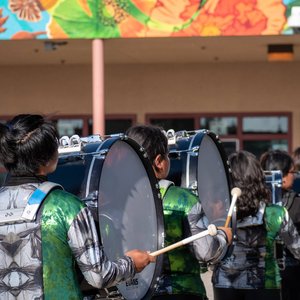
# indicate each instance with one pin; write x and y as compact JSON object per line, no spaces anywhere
{"x":141,"y":89}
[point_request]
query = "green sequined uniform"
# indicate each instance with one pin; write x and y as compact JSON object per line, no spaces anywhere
{"x":181,"y":270}
{"x":59,"y":283}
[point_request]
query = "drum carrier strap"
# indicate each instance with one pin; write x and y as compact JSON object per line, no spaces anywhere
{"x":29,"y":213}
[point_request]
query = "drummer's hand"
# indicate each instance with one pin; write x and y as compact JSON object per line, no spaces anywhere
{"x":140,"y":258}
{"x":228,"y":232}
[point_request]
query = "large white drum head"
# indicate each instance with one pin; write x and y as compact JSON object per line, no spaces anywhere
{"x":213,"y":185}
{"x":127,"y":212}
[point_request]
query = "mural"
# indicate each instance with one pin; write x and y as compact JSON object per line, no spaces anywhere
{"x":61,"y":19}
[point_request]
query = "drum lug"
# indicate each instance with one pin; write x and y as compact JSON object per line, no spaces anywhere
{"x":194,"y":151}
{"x":193,"y":186}
{"x":91,"y":199}
{"x":163,"y":236}
{"x":101,"y":154}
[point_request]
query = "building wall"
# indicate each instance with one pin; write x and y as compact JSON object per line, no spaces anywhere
{"x":141,"y":89}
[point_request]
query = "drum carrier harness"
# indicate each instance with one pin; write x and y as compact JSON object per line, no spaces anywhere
{"x":29,"y":213}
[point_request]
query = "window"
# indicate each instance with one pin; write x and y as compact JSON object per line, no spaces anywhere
{"x":70,"y":127}
{"x":177,"y":124}
{"x":220,"y":126}
{"x":115,"y":124}
{"x":265,"y":125}
{"x":254,"y":132}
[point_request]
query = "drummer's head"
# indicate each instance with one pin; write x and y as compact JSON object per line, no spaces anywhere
{"x":247,"y":174}
{"x":279,"y":160}
{"x":154,"y":140}
{"x":29,"y":145}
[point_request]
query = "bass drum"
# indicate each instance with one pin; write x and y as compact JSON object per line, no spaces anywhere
{"x":118,"y":184}
{"x":199,"y":162}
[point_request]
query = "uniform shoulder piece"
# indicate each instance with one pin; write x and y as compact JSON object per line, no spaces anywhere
{"x":28,"y":214}
{"x":164,"y":186}
{"x":36,"y":199}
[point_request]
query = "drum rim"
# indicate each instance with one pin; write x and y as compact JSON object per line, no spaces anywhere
{"x":107,"y":144}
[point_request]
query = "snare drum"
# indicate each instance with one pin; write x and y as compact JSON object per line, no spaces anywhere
{"x":199,"y":163}
{"x":117,"y":182}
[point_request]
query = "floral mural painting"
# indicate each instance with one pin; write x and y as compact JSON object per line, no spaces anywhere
{"x":55,"y":19}
{"x":2,"y":21}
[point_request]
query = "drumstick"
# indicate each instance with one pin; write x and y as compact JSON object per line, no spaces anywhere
{"x":235,"y":193}
{"x":211,"y":230}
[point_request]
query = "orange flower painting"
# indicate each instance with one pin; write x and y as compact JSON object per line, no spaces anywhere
{"x":216,"y":17}
{"x":238,"y":17}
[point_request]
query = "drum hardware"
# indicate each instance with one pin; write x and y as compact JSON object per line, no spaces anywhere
{"x":194,"y":187}
{"x":72,"y":144}
{"x":91,"y":198}
{"x":95,"y":138}
{"x":171,"y":136}
{"x":75,"y":139}
{"x":64,"y":141}
{"x":194,"y":151}
{"x":76,"y":143}
{"x":142,"y":150}
{"x":273,"y":180}
{"x":176,"y":153}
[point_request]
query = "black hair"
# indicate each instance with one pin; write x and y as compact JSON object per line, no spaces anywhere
{"x":277,"y":160}
{"x":27,"y":142}
{"x":248,"y":175}
{"x":151,"y":138}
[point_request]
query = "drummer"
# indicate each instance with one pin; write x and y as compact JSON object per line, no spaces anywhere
{"x":39,"y":247}
{"x":183,"y":216}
